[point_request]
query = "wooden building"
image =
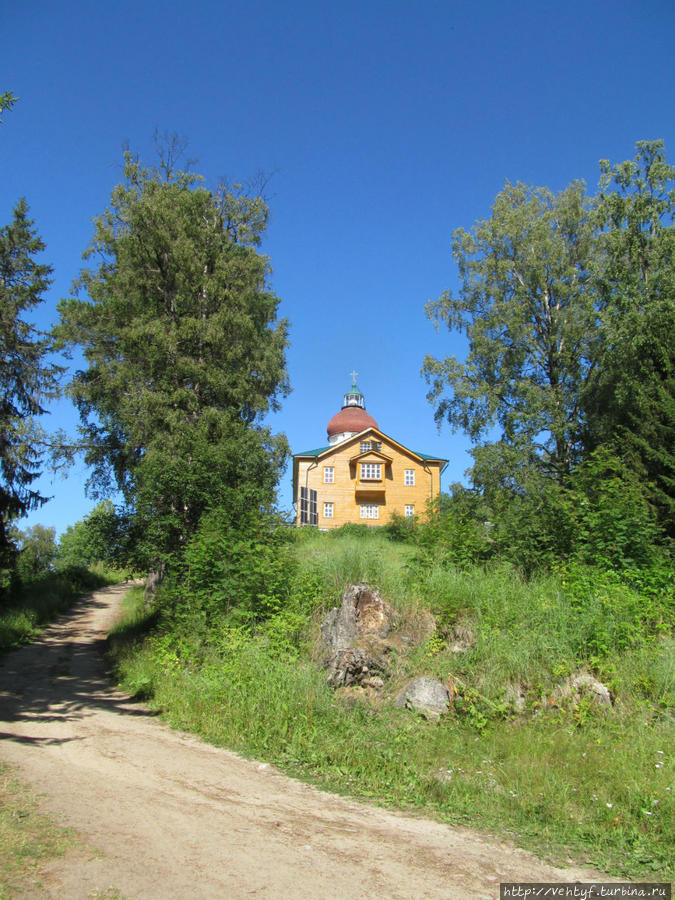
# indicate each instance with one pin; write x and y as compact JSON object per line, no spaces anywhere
{"x":361,"y":475}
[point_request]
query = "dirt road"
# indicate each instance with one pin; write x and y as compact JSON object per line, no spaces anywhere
{"x":162,"y":815}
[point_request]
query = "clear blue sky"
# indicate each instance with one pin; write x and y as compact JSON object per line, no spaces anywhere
{"x":387,"y":125}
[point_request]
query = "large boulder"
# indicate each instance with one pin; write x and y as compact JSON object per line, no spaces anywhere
{"x":362,"y":613}
{"x":426,"y":695}
{"x":353,"y":635}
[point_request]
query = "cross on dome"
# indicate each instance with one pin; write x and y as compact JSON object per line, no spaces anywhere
{"x":352,"y":418}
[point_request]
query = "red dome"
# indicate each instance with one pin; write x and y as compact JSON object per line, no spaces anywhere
{"x":350,"y":418}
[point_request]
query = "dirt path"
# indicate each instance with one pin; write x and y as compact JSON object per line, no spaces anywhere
{"x":163,"y":815}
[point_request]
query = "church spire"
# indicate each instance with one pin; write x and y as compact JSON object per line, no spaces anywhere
{"x":354,"y":397}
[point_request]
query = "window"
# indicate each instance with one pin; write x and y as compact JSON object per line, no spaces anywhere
{"x":328,"y":475}
{"x":409,"y":511}
{"x":371,"y":471}
{"x":371,"y":445}
{"x":370,"y":511}
{"x":409,"y":476}
{"x":308,"y":511}
{"x":328,"y":510}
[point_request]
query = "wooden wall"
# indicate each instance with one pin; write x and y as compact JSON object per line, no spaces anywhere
{"x":392,"y":494}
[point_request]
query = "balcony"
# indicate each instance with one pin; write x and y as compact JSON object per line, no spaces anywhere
{"x":369,"y":488}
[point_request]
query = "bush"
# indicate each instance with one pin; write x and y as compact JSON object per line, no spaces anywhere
{"x":241,"y":572}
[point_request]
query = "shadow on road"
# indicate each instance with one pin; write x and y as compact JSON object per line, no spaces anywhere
{"x":62,"y":677}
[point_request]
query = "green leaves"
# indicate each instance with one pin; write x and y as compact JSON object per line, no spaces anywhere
{"x":568,"y":305}
{"x":523,"y":307}
{"x":184,"y":351}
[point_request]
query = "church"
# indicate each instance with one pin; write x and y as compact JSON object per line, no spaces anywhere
{"x":362,"y":475}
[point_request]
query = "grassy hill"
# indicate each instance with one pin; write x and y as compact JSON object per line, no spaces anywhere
{"x":231,"y":651}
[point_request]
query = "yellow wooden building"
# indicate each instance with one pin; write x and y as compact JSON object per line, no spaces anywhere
{"x":362,"y":475}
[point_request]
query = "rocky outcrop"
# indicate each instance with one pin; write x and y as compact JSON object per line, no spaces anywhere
{"x":354,"y":636}
{"x":354,"y":666}
{"x":426,"y":695}
{"x":362,"y":614}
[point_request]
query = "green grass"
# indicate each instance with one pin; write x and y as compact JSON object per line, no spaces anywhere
{"x":562,"y":779}
{"x":27,"y":836}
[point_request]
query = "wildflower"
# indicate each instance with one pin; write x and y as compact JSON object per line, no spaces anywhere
{"x":608,"y":805}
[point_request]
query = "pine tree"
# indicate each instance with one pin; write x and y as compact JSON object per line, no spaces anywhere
{"x":28,"y":379}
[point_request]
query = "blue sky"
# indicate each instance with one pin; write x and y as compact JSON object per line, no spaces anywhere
{"x":386,"y":126}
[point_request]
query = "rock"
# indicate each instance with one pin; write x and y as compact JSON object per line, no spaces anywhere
{"x":362,"y":613}
{"x":351,"y":666}
{"x":461,"y":638}
{"x":426,"y":695}
{"x":373,"y":681}
{"x":514,"y":695}
{"x":354,"y":636}
{"x":582,"y":683}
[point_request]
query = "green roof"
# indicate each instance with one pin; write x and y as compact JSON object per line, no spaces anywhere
{"x":321,"y":450}
{"x":313,"y":452}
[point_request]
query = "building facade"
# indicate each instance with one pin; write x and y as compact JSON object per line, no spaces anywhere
{"x":361,"y":475}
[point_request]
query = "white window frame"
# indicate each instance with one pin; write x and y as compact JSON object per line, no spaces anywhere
{"x":371,"y":471}
{"x":329,"y":510}
{"x":409,"y":478}
{"x":329,"y":474}
{"x":370,"y":510}
{"x":409,"y":510}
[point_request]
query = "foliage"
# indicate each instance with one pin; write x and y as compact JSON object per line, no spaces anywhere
{"x":613,"y":524}
{"x":27,"y":378}
{"x":237,"y":571}
{"x":184,"y":353}
{"x":631,"y":396}
{"x":525,"y":308}
{"x":99,"y":537}
{"x":568,"y":304}
{"x":7,"y":101}
{"x":37,"y":551}
{"x":457,"y":530}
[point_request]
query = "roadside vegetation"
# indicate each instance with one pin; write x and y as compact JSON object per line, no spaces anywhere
{"x":233,"y":654}
{"x":45,"y":577}
{"x":27,"y":836}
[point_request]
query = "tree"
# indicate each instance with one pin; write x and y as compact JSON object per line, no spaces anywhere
{"x":27,"y":377}
{"x":525,"y":306}
{"x":630,"y":399}
{"x":99,"y":537}
{"x":37,"y":551}
{"x":7,"y":101}
{"x":185,"y":354}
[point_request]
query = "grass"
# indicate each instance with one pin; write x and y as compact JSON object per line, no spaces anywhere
{"x":564,"y":779}
{"x":27,"y":836}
